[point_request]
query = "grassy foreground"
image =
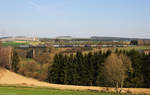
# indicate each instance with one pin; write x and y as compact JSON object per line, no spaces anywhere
{"x":45,"y":91}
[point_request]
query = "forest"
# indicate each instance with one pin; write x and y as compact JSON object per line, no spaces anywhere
{"x":89,"y":69}
{"x":119,"y":68}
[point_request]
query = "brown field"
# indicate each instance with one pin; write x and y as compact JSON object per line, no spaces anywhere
{"x":11,"y":78}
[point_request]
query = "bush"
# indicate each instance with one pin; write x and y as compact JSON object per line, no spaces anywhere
{"x":29,"y":68}
{"x":44,"y":72}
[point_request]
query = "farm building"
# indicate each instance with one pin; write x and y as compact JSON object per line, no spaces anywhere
{"x":147,"y":52}
{"x":144,"y":42}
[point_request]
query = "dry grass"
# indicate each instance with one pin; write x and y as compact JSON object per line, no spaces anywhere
{"x":11,"y":78}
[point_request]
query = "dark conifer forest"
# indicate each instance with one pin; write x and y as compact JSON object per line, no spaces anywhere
{"x":87,"y":69}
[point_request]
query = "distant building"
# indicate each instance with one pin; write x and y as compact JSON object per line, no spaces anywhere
{"x":147,"y":52}
{"x":143,"y":42}
{"x":35,"y":39}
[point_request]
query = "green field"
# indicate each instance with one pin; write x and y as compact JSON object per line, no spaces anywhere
{"x":45,"y":91}
{"x":135,"y":47}
{"x":13,"y":44}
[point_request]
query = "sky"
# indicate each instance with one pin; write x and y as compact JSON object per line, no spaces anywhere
{"x":77,"y":18}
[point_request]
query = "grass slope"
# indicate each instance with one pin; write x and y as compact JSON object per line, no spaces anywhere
{"x":46,"y":91}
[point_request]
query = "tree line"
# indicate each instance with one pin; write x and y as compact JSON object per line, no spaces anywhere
{"x":131,"y":69}
{"x":77,"y":70}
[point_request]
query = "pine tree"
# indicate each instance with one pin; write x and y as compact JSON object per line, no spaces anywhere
{"x":100,"y":80}
{"x":53,"y":72}
{"x":136,"y":78}
{"x":146,"y":70}
{"x":15,"y":61}
{"x":108,"y":52}
{"x":85,"y":75}
{"x":30,"y":54}
{"x":78,"y":64}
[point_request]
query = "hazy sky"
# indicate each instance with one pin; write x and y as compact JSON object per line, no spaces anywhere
{"x":78,"y":18}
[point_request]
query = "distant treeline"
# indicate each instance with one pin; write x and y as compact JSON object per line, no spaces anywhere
{"x":87,"y":69}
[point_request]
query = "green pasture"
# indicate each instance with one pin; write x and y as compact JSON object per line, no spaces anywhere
{"x":135,"y":47}
{"x":13,"y":44}
{"x":12,"y":90}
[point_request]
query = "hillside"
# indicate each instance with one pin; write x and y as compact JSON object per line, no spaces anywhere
{"x":11,"y":78}
{"x":103,"y":38}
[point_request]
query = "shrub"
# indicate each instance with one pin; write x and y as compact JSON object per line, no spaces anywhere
{"x":29,"y":68}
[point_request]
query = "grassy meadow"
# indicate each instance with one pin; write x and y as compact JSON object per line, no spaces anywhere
{"x":13,"y":44}
{"x":135,"y":47}
{"x":12,"y":90}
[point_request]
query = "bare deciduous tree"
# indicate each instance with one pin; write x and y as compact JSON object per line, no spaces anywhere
{"x":115,"y":69}
{"x":5,"y":56}
{"x":127,"y":68}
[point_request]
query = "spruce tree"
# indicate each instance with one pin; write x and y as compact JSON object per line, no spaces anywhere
{"x":15,"y":61}
{"x":136,"y":79}
{"x":146,"y":70}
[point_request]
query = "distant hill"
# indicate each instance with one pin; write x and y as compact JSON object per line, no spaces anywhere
{"x":95,"y":38}
{"x":23,"y":38}
{"x":115,"y":38}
